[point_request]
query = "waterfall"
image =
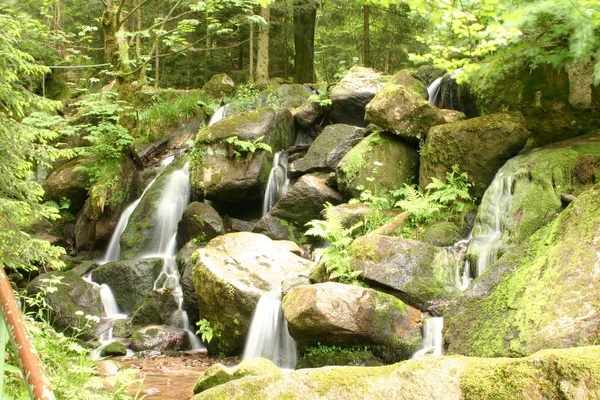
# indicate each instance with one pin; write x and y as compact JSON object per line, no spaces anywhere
{"x":111,"y":309}
{"x":277,"y":184}
{"x":113,"y":251}
{"x":493,"y":218}
{"x":174,"y":198}
{"x":459,"y":251}
{"x":268,"y":336}
{"x":219,"y":114}
{"x":432,"y":337}
{"x":435,"y":91}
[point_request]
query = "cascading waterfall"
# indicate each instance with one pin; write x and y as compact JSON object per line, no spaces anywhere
{"x":458,"y":251}
{"x":432,"y":337}
{"x":278,"y":182}
{"x":268,"y":336}
{"x":434,"y":90}
{"x":219,"y":114}
{"x":111,"y":309}
{"x":493,"y":218}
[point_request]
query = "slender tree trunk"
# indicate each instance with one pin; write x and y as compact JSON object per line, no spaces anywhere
{"x":262,"y":55}
{"x":116,"y":49}
{"x":251,"y":54}
{"x":157,"y":67}
{"x":366,"y":40}
{"x":138,"y":49}
{"x":305,"y":19}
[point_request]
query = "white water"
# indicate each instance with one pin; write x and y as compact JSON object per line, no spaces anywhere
{"x":435,"y":91}
{"x":493,"y":217}
{"x":277,"y":185}
{"x":219,"y":114}
{"x":174,"y":198}
{"x":268,"y":336}
{"x":113,"y":251}
{"x":432,"y":337}
{"x":459,"y":250}
{"x":111,"y":310}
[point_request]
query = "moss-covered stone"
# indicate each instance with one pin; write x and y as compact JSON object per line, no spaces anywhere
{"x":569,"y":373}
{"x":379,"y":161}
{"x":219,"y":85}
{"x":156,"y":309}
{"x":67,"y":182}
{"x":160,"y":337}
{"x":339,"y":356}
{"x":442,"y":234}
{"x":547,"y":297}
{"x":218,"y":374}
{"x":113,"y":349}
{"x":200,"y":222}
{"x":279,"y":229}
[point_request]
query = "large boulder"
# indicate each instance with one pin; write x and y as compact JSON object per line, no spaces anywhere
{"x":231,"y":273}
{"x":218,"y":174}
{"x":338,"y":314}
{"x":328,"y":149}
{"x":200,"y":222}
{"x":278,"y":228}
{"x":569,"y":373}
{"x":352,"y":94}
{"x":67,"y":182}
{"x":286,"y":96}
{"x":129,"y":281}
{"x":220,"y":85}
{"x":544,"y":294}
{"x":403,"y":111}
{"x":156,"y":309}
{"x":418,"y":273}
{"x":218,"y":374}
{"x":379,"y":161}
{"x":480,"y":146}
{"x":69,"y":300}
{"x":160,"y":337}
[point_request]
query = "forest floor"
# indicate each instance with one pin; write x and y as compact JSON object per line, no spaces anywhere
{"x":164,"y":377}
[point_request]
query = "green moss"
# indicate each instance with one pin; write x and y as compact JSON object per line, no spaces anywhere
{"x":348,"y":379}
{"x":228,"y":127}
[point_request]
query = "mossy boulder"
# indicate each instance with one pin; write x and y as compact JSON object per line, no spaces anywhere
{"x":200,"y":222}
{"x":479,"y":146}
{"x":69,"y":302}
{"x":379,"y":161}
{"x":220,"y":85}
{"x":156,"y":309}
{"x":67,"y":182}
{"x":356,"y":355}
{"x":113,"y":349}
{"x":544,"y":294}
{"x":129,"y":280}
{"x":345,"y":315}
{"x":285,"y":96}
{"x":418,"y":273}
{"x":185,"y":265}
{"x":219,"y":374}
{"x":309,"y":114}
{"x":568,"y":373}
{"x":160,"y":337}
{"x":279,"y":228}
{"x":442,"y":234}
{"x":328,"y":149}
{"x":352,"y":94}
{"x":403,"y":111}
{"x":218,"y":174}
{"x":230,"y":274}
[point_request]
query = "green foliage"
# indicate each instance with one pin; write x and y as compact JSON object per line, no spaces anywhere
{"x":205,"y":330}
{"x":323,"y":349}
{"x":245,"y":148}
{"x":335,"y":257}
{"x":246,"y":97}
{"x":454,"y":194}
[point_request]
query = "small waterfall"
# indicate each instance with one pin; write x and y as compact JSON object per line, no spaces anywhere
{"x":278,"y":182}
{"x":219,"y":114}
{"x":435,"y":91}
{"x":111,"y":309}
{"x":174,"y":198}
{"x":459,"y":251}
{"x":268,"y":336}
{"x":432,"y":337}
{"x":113,"y":251}
{"x":493,"y":218}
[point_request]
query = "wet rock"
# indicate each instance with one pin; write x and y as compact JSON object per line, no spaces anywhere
{"x":278,"y":228}
{"x":156,"y":309}
{"x":442,"y":234}
{"x":338,"y":314}
{"x":418,"y":273}
{"x":219,"y":374}
{"x":185,"y":265}
{"x":159,"y":337}
{"x":199,"y":222}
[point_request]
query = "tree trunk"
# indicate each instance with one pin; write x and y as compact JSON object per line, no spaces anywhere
{"x":138,"y":49}
{"x":366,"y":43}
{"x":251,"y":54}
{"x":262,"y":55}
{"x":116,"y":49}
{"x":157,"y":67}
{"x":305,"y":18}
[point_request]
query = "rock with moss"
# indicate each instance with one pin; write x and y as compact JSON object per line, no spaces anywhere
{"x":352,"y":94}
{"x":323,"y":356}
{"x":67,"y":182}
{"x":542,"y":295}
{"x":200,"y":222}
{"x":345,"y":315}
{"x":285,"y":96}
{"x":442,"y":234}
{"x":129,"y":280}
{"x":418,"y":273}
{"x":69,"y":300}
{"x":305,"y":200}
{"x":185,"y":264}
{"x":160,"y":337}
{"x":328,"y":149}
{"x":113,"y":349}
{"x":278,"y":228}
{"x":379,"y":161}
{"x":219,"y":374}
{"x":156,"y":309}
{"x":479,"y":146}
{"x":220,"y":85}
{"x":568,"y":373}
{"x":403,"y":111}
{"x":230,"y":172}
{"x":230,"y":274}
{"x":309,"y":114}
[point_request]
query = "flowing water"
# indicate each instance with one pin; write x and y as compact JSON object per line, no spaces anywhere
{"x":268,"y":336}
{"x":219,"y":114}
{"x":278,"y":182}
{"x":432,"y":337}
{"x":435,"y":91}
{"x":111,"y":310}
